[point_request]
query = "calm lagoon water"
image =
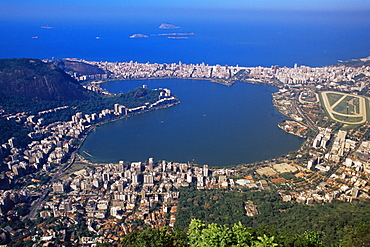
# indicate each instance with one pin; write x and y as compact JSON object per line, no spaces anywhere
{"x":213,"y":124}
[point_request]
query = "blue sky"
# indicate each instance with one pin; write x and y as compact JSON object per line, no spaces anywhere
{"x":68,"y":8}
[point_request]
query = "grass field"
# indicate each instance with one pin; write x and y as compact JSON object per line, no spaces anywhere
{"x":333,"y":98}
{"x":349,"y":105}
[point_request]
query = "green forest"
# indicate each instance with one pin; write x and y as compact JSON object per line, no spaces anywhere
{"x":227,"y":207}
{"x":198,"y":233}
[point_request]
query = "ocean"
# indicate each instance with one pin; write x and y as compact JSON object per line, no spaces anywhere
{"x":245,"y":38}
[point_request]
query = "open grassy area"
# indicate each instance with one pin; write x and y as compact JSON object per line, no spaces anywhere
{"x":348,"y":98}
{"x":356,"y":105}
{"x":76,"y":165}
{"x":333,"y":97}
{"x":347,"y":109}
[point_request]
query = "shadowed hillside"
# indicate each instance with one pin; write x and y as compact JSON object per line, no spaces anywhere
{"x":34,"y":79}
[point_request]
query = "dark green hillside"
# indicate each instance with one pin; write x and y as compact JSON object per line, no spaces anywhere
{"x":37,"y":80}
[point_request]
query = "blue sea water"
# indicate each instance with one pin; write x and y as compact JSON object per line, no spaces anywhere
{"x":246,"y":38}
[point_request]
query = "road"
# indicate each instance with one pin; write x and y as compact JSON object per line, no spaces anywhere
{"x":308,"y":121}
{"x":45,"y":192}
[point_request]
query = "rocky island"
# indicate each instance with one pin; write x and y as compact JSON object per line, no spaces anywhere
{"x":138,"y":36}
{"x":168,"y":26}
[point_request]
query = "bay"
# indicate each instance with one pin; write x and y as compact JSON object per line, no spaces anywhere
{"x":214,"y":124}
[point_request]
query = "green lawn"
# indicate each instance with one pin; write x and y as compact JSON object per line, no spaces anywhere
{"x":333,"y":97}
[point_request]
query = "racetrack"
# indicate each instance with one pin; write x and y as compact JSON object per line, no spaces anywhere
{"x":330,"y":108}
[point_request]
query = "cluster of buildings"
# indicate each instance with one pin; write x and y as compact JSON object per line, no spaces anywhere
{"x":332,"y":76}
{"x":322,"y":138}
{"x":124,"y":194}
{"x":339,"y":147}
{"x":308,"y":75}
{"x":135,"y":70}
{"x":52,"y":145}
{"x":341,"y":178}
{"x":32,"y":121}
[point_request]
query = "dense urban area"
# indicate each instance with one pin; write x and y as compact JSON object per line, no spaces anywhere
{"x":49,"y":183}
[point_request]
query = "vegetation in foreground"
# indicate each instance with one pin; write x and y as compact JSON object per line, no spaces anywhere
{"x":201,"y":234}
{"x":227,"y":207}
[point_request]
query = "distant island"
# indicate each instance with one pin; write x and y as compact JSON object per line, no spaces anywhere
{"x":168,"y":26}
{"x":171,"y":35}
{"x":177,"y":37}
{"x":138,"y":36}
{"x":174,"y":34}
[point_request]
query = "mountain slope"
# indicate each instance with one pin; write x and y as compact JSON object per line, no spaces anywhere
{"x":35,"y":79}
{"x":78,"y":67}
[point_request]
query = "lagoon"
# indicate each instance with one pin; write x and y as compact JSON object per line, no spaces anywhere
{"x":214,"y":124}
